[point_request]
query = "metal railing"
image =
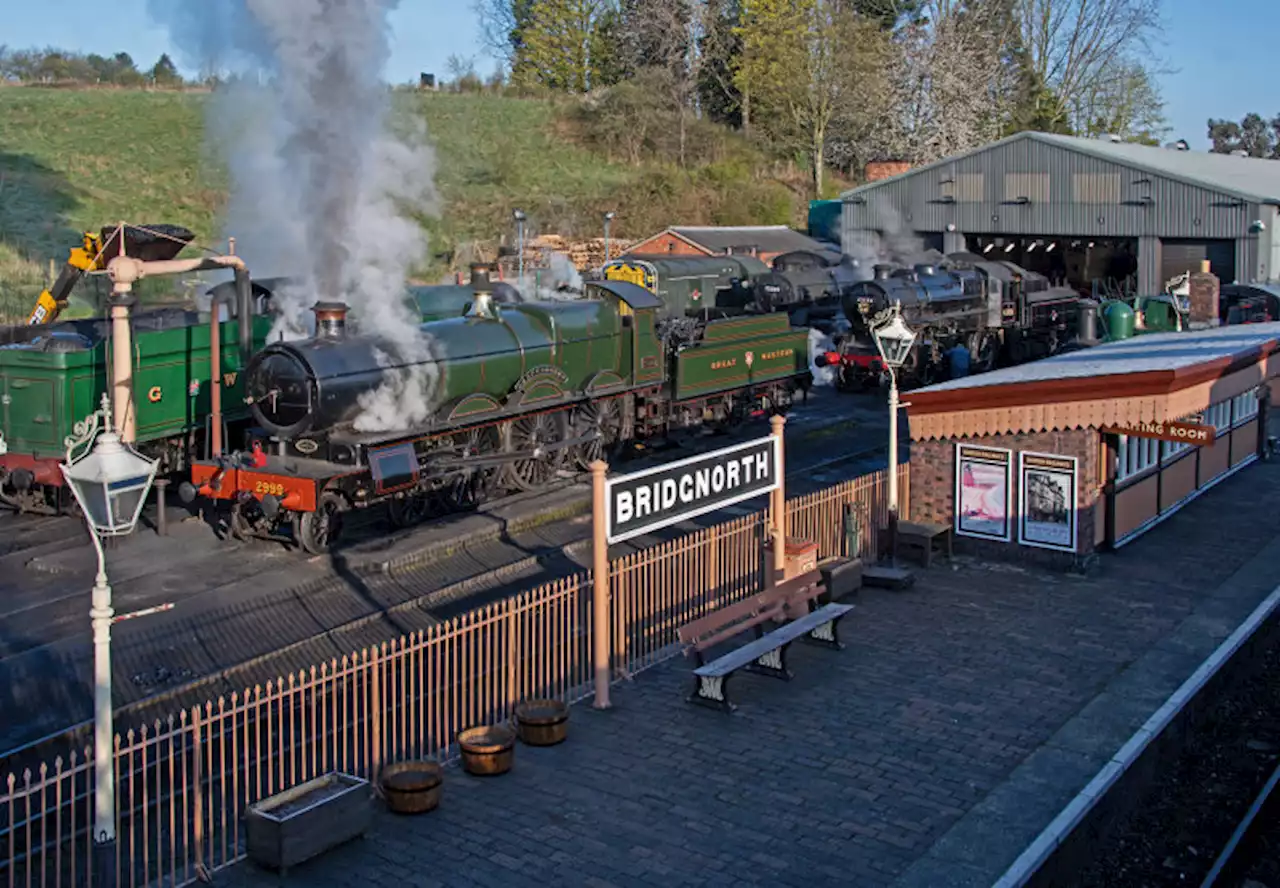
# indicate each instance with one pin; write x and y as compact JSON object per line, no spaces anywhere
{"x":183,"y":784}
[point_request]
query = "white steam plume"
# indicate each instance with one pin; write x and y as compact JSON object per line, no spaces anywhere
{"x":558,"y":282}
{"x":896,"y":244}
{"x":323,"y":189}
{"x":819,"y":345}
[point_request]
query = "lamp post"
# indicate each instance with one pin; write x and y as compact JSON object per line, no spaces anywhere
{"x":893,"y":340}
{"x":519,"y":216}
{"x":608,"y":218}
{"x":110,"y":482}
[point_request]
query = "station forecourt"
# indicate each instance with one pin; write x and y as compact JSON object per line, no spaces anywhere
{"x":967,"y":712}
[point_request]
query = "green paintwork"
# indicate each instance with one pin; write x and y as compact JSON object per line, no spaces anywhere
{"x":43,"y":393}
{"x":1159,"y":315}
{"x":434,"y":303}
{"x":688,"y":285}
{"x":737,"y":352}
{"x":529,"y":353}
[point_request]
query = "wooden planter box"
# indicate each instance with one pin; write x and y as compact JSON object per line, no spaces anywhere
{"x":300,"y":823}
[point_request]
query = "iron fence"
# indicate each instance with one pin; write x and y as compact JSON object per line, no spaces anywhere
{"x":183,"y":785}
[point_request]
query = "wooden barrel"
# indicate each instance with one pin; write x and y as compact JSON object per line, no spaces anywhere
{"x":542,"y":722}
{"x":487,"y":750}
{"x":412,"y":787}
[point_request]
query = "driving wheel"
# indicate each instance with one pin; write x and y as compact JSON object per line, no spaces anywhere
{"x":317,"y":532}
{"x":530,"y":437}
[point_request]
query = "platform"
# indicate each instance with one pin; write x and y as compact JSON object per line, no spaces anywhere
{"x":961,"y":717}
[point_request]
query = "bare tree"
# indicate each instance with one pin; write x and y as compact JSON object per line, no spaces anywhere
{"x":1076,"y":48}
{"x":666,"y":37}
{"x":954,"y":82}
{"x":500,"y":23}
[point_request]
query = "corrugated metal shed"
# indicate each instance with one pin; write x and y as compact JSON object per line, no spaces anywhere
{"x":1169,"y":208}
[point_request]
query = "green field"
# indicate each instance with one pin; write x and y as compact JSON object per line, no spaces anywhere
{"x":72,"y":160}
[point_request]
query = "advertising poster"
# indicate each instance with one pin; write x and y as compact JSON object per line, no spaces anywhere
{"x":1047,"y":501}
{"x":982,"y":492}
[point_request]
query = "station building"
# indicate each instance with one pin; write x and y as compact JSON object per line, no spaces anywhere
{"x":1083,"y":452}
{"x":1085,"y":211}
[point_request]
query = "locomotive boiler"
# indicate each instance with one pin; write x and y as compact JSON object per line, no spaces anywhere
{"x":501,"y":397}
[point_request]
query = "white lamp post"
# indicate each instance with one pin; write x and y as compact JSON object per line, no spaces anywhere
{"x":110,"y":482}
{"x":519,"y":216}
{"x":608,"y":219}
{"x":893,"y":340}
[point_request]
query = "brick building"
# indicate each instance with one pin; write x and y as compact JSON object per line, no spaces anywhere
{"x":765,"y":242}
{"x":1056,"y":460}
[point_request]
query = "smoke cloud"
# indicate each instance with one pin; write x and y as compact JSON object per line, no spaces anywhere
{"x":558,"y":282}
{"x":819,"y":345}
{"x":895,"y":244}
{"x":325,"y":187}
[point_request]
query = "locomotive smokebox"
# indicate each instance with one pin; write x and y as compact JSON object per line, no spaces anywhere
{"x":331,"y":320}
{"x":882,"y":272}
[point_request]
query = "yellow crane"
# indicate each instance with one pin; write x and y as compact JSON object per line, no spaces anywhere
{"x":96,"y":250}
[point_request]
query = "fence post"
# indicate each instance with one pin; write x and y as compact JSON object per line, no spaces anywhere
{"x":197,"y":790}
{"x":600,"y":623}
{"x":779,"y":548}
{"x":512,"y":654}
{"x":375,"y":716}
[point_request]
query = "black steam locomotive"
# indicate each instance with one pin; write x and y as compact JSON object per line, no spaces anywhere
{"x":999,"y":312}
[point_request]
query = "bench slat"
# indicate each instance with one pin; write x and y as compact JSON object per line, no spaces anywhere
{"x":714,"y":623}
{"x":748,"y":653}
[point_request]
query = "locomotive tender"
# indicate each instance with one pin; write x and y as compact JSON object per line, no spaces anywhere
{"x":515,"y":394}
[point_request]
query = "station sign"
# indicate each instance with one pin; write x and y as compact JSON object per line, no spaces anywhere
{"x":649,"y":500}
{"x":1194,"y":433}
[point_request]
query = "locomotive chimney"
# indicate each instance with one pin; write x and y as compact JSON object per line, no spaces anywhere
{"x":331,"y":320}
{"x":882,"y":272}
{"x":482,"y":292}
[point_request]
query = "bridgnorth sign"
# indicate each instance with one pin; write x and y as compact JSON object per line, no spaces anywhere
{"x":1178,"y":432}
{"x":655,"y":498}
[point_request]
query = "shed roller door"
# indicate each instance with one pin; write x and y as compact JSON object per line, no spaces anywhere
{"x":1180,"y":256}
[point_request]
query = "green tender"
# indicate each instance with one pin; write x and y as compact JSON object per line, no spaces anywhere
{"x":740,"y":352}
{"x":46,"y":391}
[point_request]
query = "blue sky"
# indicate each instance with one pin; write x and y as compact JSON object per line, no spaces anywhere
{"x":1222,"y":50}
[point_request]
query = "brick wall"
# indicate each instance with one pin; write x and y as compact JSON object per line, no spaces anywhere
{"x":666,"y":244}
{"x":883,"y":169}
{"x":933,"y":491}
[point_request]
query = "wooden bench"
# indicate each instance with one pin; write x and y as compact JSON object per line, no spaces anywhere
{"x":924,"y":535}
{"x":792,"y":602}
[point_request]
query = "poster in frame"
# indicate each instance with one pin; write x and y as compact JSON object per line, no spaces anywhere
{"x":983,"y":493}
{"x":1048,"y":487}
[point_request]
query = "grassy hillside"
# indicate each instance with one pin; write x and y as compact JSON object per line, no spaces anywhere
{"x":76,"y":160}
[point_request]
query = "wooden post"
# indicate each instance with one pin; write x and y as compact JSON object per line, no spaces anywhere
{"x":779,"y":504}
{"x":600,"y":623}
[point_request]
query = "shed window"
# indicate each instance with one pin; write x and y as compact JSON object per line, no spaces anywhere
{"x":968,"y":188}
{"x":1033,"y":186}
{"x":1095,"y":188}
{"x":1136,"y":456}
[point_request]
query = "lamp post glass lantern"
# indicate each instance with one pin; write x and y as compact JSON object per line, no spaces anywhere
{"x":110,"y":482}
{"x":894,"y":340}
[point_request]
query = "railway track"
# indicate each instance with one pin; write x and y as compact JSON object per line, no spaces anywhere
{"x":1246,"y":852}
{"x":1210,"y":816}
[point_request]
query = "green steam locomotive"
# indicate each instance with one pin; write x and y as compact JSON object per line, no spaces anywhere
{"x":503,"y":396}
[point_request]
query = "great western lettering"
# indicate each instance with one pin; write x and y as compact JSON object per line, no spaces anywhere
{"x":646,"y":501}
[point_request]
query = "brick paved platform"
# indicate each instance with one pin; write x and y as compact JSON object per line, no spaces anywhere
{"x":962,"y":716}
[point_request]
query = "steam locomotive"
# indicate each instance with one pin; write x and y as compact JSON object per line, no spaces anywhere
{"x":1000,"y":312}
{"x":506,"y":396}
